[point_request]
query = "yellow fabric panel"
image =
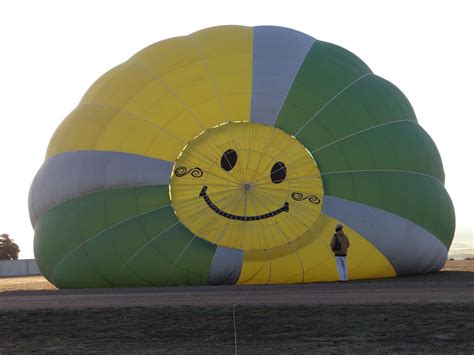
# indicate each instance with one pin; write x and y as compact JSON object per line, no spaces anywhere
{"x":311,"y":253}
{"x":116,"y":87}
{"x":81,"y":129}
{"x":167,"y":56}
{"x":228,"y":54}
{"x":166,"y":94}
{"x":140,"y":135}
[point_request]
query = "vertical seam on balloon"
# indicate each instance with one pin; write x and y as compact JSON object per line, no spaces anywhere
{"x":204,"y":157}
{"x":373,"y":246}
{"x":384,"y":170}
{"x":252,"y":276}
{"x":148,"y":243}
{"x":330,"y":101}
{"x":30,"y":200}
{"x":289,"y":242}
{"x":317,"y":265}
{"x":379,"y":210}
{"x":359,"y":132}
{"x":207,"y":161}
{"x":144,"y":231}
{"x":269,"y":253}
{"x":41,"y":192}
{"x":165,"y":85}
{"x":272,"y":236}
{"x":344,"y":157}
{"x":261,"y":154}
{"x":132,"y":116}
{"x":214,"y":215}
{"x":253,"y":74}
{"x":267,"y":261}
{"x":293,"y":81}
{"x":251,"y":145}
{"x":78,"y":207}
{"x":327,"y":247}
{"x":205,"y":64}
{"x":238,"y":270}
{"x":180,"y":255}
{"x":230,"y":140}
{"x":212,"y":263}
{"x":64,"y":126}
{"x":34,"y":187}
{"x":101,"y":232}
{"x":226,"y":225}
{"x":280,"y":148}
{"x":377,"y":177}
{"x":60,"y":202}
{"x":79,"y":224}
{"x":151,"y":79}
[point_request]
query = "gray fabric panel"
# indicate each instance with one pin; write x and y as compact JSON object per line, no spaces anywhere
{"x":278,"y":53}
{"x":72,"y":174}
{"x":226,"y":266}
{"x":410,"y":248}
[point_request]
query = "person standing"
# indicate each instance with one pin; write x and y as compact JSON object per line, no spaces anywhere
{"x":339,"y":245}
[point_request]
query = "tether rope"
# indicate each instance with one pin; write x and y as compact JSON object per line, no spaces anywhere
{"x":233,"y":315}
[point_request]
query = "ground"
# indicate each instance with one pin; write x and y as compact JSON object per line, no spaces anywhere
{"x":428,"y":313}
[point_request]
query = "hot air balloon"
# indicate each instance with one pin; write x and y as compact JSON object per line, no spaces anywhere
{"x":227,"y":157}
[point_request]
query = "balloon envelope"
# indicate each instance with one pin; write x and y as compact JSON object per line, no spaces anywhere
{"x":229,"y":156}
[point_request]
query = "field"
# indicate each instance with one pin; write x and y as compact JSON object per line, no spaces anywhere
{"x":429,"y":313}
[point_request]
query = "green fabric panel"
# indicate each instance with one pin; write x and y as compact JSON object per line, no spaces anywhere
{"x":84,"y":217}
{"x":421,"y":199}
{"x":50,"y":245}
{"x":55,"y":232}
{"x":188,"y":259}
{"x":105,"y":251}
{"x":326,"y":70}
{"x":370,"y":102}
{"x":92,"y":238}
{"x":195,"y":263}
{"x":76,"y":272}
{"x":398,"y":146}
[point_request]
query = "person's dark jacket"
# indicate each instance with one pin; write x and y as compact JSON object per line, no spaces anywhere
{"x":342,"y":242}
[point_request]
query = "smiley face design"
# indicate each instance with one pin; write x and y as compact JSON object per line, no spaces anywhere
{"x":246,"y":185}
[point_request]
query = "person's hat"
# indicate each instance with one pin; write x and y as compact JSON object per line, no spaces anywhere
{"x":339,"y":226}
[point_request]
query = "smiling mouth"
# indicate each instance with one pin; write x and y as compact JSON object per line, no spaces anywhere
{"x":212,"y":206}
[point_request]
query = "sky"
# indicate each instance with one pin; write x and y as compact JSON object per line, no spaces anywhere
{"x":52,"y":51}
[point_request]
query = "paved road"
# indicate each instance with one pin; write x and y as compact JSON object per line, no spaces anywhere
{"x":443,"y":287}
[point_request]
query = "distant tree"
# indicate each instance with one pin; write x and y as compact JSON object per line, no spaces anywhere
{"x":9,"y":250}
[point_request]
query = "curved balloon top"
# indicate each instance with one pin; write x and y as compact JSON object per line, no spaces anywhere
{"x":229,"y":156}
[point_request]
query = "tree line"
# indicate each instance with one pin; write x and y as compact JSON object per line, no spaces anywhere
{"x":9,"y":250}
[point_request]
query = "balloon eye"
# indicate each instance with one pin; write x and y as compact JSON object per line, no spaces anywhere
{"x":278,"y":173}
{"x":228,"y":159}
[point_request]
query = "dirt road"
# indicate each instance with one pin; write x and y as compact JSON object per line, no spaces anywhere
{"x":429,"y":313}
{"x":445,"y":287}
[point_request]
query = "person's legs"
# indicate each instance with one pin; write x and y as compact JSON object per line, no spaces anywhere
{"x":344,"y":268}
{"x":340,"y":267}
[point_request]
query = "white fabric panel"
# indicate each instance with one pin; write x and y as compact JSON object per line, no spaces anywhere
{"x":278,"y":53}
{"x":68,"y":175}
{"x":410,"y":248}
{"x":226,"y":266}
